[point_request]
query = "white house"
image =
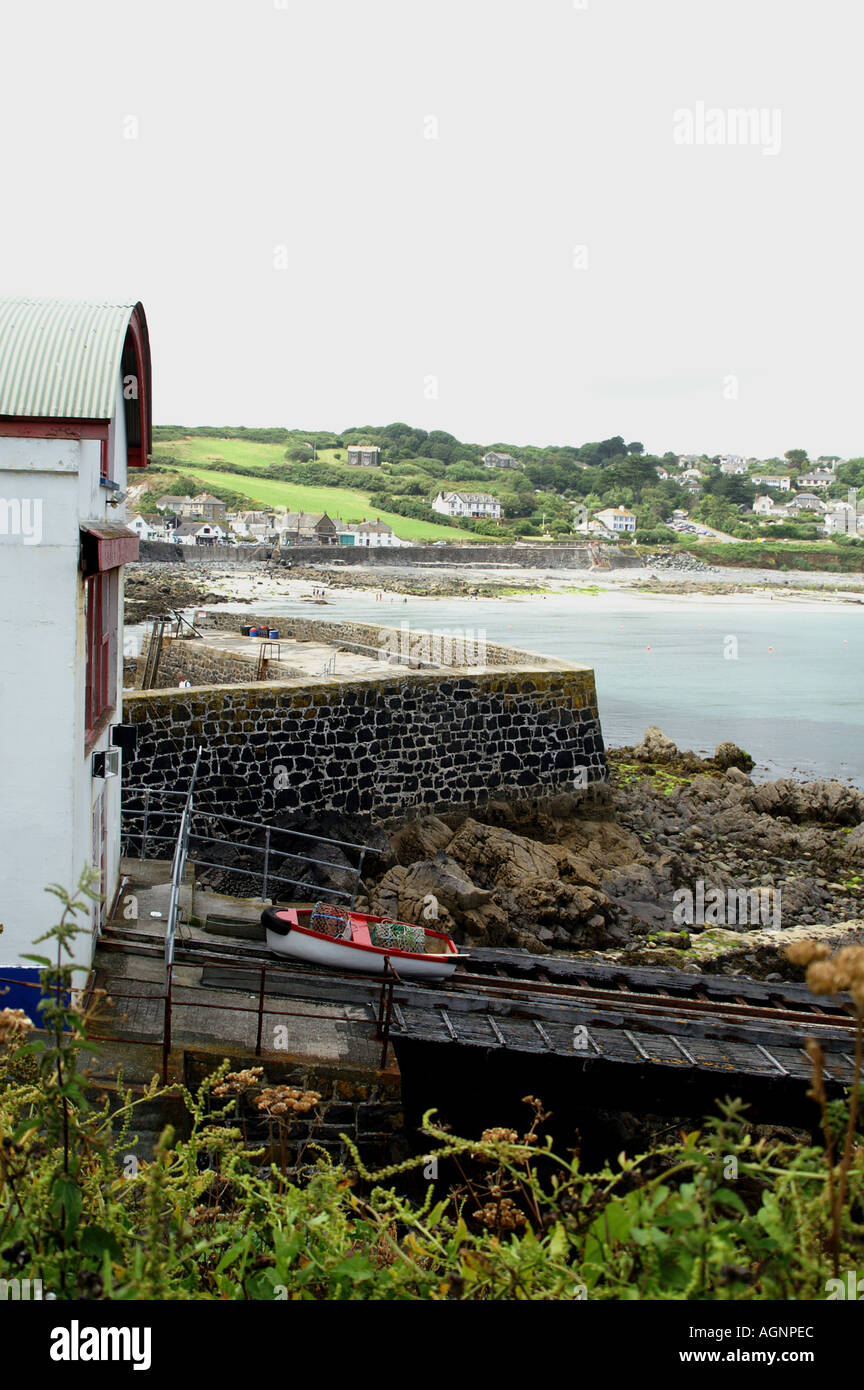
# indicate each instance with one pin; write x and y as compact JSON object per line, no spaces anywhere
{"x":733,"y":463}
{"x":75,"y":415}
{"x":617,"y":519}
{"x":372,"y":534}
{"x":473,"y":504}
{"x":146,"y":530}
{"x":766,"y":504}
{"x":778,"y":480}
{"x":819,"y":478}
{"x":198,"y":533}
{"x":693,"y":475}
{"x":661,"y":472}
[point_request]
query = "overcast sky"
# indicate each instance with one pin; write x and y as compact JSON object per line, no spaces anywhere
{"x":482,"y":216}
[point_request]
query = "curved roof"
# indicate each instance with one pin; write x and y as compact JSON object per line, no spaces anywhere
{"x":61,"y":358}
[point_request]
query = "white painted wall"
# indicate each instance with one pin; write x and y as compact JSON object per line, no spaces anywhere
{"x":48,"y":789}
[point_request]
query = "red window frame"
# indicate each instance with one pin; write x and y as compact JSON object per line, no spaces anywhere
{"x":101,"y":655}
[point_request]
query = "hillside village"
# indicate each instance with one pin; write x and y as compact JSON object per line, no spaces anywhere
{"x":609,"y":491}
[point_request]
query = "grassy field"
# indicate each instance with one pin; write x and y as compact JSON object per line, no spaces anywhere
{"x":348,"y":503}
{"x":246,"y":452}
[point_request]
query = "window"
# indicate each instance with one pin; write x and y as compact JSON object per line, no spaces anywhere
{"x":101,"y":689}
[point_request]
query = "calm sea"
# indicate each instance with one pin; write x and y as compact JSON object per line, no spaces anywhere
{"x":785,"y":680}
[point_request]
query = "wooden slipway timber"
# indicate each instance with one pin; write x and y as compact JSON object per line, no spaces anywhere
{"x":591,"y":1013}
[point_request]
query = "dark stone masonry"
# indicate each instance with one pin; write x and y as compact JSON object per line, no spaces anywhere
{"x":374,"y":746}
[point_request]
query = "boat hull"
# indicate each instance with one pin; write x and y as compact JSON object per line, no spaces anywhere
{"x":315,"y":948}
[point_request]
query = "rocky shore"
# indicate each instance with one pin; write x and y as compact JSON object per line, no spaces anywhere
{"x":611,"y":872}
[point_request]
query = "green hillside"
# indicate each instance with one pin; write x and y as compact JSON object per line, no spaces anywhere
{"x":350,"y":504}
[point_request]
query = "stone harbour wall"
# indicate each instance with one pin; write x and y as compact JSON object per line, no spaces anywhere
{"x":373,"y":746}
{"x":447,"y":646}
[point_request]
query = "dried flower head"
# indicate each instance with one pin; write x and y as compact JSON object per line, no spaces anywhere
{"x":285,"y":1100}
{"x":238,"y":1082}
{"x":499,"y":1136}
{"x":822,"y":977}
{"x":503,"y":1215}
{"x":803,"y":952}
{"x":14,"y":1024}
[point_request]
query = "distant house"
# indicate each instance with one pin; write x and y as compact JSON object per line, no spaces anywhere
{"x":819,"y":478}
{"x":144,"y":529}
{"x":372,"y":534}
{"x":491,"y":459}
{"x":478,"y":505}
{"x":197,"y":533}
{"x":733,"y":463}
{"x":807,"y":502}
{"x":204,"y":506}
{"x":688,"y":460}
{"x":171,"y":504}
{"x":693,"y":475}
{"x":661,"y":472}
{"x":829,"y":461}
{"x":256,"y":526}
{"x":767,"y":504}
{"x":617,"y":519}
{"x":299,"y":528}
{"x":778,"y":480}
{"x":364,"y":455}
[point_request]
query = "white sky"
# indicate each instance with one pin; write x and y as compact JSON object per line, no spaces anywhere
{"x":411,"y":258}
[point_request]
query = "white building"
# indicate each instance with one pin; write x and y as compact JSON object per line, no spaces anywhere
{"x":733,"y":463}
{"x":617,"y":519}
{"x":74,"y":416}
{"x":478,"y":505}
{"x":198,"y":533}
{"x":145,"y":530}
{"x":766,"y":504}
{"x":778,"y":480}
{"x":819,"y":478}
{"x":372,"y":534}
{"x":693,"y":475}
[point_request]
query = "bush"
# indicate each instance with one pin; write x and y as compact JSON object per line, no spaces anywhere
{"x":713,"y":1215}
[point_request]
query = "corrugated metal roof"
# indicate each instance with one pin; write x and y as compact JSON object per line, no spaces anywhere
{"x":60,"y":358}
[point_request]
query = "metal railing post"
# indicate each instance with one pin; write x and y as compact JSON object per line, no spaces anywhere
{"x":358,"y":878}
{"x":260,"y":1011}
{"x":166,"y":1025}
{"x":146,"y":822}
{"x":266,"y":863}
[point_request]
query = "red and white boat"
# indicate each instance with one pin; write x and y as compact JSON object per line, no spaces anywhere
{"x":345,"y":940}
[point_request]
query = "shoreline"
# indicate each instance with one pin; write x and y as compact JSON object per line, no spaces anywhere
{"x":224,"y":586}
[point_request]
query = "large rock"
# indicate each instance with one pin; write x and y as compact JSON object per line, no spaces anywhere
{"x":495,"y":857}
{"x":656,"y":747}
{"x":827,"y":801}
{"x":728,"y":754}
{"x":420,"y":839}
{"x":854,"y":846}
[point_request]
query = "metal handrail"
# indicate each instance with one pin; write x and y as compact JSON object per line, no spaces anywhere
{"x":178,"y":868}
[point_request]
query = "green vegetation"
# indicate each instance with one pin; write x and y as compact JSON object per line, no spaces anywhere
{"x":349,"y":504}
{"x":717,"y":1214}
{"x":775,"y":555}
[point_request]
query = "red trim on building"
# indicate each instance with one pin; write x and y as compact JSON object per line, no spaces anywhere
{"x":32,"y":427}
{"x":106,"y":547}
